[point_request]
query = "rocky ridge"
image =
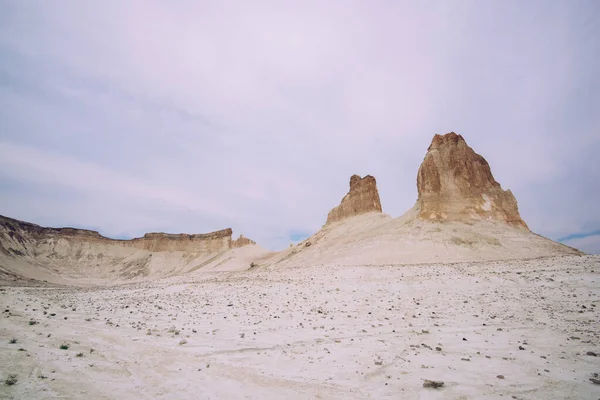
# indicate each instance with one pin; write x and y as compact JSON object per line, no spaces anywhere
{"x":20,"y":232}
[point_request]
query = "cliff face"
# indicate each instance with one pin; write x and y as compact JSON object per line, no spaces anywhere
{"x":210,"y":242}
{"x":362,"y":197}
{"x":456,"y":184}
{"x":15,"y":234}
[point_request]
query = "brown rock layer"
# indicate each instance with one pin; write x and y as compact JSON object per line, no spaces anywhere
{"x":362,"y":197}
{"x":208,"y":242}
{"x":241,"y":242}
{"x":456,"y":184}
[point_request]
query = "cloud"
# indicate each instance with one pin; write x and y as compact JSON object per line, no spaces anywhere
{"x":196,"y":116}
{"x":588,"y":244}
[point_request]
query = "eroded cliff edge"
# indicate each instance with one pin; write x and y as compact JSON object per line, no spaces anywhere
{"x":21,"y":232}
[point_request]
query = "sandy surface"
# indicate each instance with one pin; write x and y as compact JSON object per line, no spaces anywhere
{"x":313,"y":332}
{"x":378,"y":239}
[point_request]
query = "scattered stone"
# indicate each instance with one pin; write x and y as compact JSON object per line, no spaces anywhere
{"x":432,"y":384}
{"x":500,"y":376}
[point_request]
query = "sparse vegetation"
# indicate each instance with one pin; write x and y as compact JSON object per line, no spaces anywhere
{"x":173,"y":330}
{"x":32,"y":322}
{"x":64,"y":346}
{"x":13,"y":341}
{"x":11,"y":380}
{"x":79,"y":355}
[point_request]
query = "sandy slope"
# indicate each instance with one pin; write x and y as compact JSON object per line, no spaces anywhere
{"x":90,"y":264}
{"x":239,"y":259}
{"x":377,"y":239}
{"x":313,"y":332}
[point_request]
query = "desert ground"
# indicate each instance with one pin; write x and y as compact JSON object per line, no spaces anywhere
{"x":521,"y":329}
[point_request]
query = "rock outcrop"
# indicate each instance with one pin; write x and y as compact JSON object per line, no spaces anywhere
{"x":456,"y":184}
{"x":241,"y":242}
{"x":362,"y":198}
{"x":205,"y":242}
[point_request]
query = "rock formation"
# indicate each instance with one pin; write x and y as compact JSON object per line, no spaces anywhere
{"x":241,"y":242}
{"x":456,"y":184}
{"x":362,"y":197}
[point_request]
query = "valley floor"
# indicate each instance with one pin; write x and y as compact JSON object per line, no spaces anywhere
{"x":518,"y":329}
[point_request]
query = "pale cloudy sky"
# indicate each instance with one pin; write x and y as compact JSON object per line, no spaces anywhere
{"x":193,"y":116}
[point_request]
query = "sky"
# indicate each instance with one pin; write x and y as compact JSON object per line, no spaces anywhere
{"x":194,"y":116}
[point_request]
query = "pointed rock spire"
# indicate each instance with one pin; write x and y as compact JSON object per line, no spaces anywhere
{"x":455,"y":183}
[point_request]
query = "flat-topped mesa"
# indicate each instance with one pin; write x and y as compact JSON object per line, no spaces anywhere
{"x":241,"y":242}
{"x":212,"y":242}
{"x":456,"y":184}
{"x":362,"y":198}
{"x":187,"y":236}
